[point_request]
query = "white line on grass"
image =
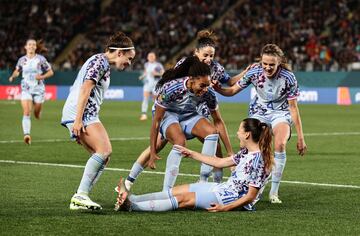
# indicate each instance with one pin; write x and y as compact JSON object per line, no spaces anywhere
{"x":162,"y":173}
{"x":147,"y":138}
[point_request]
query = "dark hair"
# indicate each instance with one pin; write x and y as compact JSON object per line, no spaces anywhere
{"x":260,"y":133}
{"x":191,"y":66}
{"x":206,"y":38}
{"x":40,"y":46}
{"x":275,"y":50}
{"x":118,"y":40}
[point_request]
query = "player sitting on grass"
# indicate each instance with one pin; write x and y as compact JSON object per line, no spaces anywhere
{"x":242,"y":190}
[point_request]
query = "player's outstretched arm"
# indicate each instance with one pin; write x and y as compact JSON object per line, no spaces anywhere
{"x":212,"y":161}
{"x":229,"y":91}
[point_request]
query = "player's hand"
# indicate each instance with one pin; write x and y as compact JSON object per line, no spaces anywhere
{"x":301,"y":147}
{"x":215,"y":82}
{"x":214,"y":207}
{"x":11,"y":79}
{"x":39,"y":77}
{"x":151,"y":162}
{"x":183,"y":150}
{"x":78,"y":128}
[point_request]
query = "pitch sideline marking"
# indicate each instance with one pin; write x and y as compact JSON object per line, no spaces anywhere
{"x":162,"y":173}
{"x":147,"y":138}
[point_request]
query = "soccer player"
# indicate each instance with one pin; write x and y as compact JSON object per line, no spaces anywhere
{"x":152,"y":73}
{"x":206,"y":42}
{"x":35,"y":69}
{"x":181,"y":91}
{"x":81,"y":113}
{"x":242,"y":190}
{"x":275,"y":104}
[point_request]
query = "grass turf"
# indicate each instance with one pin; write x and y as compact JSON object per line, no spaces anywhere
{"x":35,"y":199}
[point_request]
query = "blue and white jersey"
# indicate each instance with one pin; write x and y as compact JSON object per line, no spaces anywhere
{"x":150,"y":68}
{"x":271,"y":94}
{"x":175,"y":97}
{"x":30,"y":67}
{"x":217,"y":71}
{"x":96,"y":68}
{"x":249,"y":171}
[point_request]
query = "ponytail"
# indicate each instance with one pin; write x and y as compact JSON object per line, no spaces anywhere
{"x":265,"y":144}
{"x":261,"y":133}
{"x":40,"y":47}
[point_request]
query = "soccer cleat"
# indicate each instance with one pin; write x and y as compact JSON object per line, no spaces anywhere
{"x":27,"y":139}
{"x":83,"y":202}
{"x":121,"y":196}
{"x":143,"y":117}
{"x":274,"y":199}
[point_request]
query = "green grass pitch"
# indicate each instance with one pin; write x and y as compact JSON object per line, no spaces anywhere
{"x":35,"y":198}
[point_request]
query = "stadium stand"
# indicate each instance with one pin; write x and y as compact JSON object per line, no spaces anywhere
{"x":56,"y":22}
{"x":316,"y":35}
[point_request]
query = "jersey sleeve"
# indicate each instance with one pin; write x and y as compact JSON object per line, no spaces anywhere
{"x":95,"y":70}
{"x":247,"y":79}
{"x":293,"y":91}
{"x":179,"y":62}
{"x":19,"y":64}
{"x":44,"y":65}
{"x":219,"y":73}
{"x":257,"y":174}
{"x":168,"y":93}
{"x":211,"y":100}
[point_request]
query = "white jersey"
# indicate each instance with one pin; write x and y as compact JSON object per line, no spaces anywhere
{"x":271,"y":94}
{"x":96,"y":68}
{"x":150,"y":68}
{"x":249,"y":171}
{"x":30,"y":67}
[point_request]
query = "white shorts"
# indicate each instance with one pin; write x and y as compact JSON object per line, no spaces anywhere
{"x":35,"y":97}
{"x":149,"y":86}
{"x":186,"y":125}
{"x":274,"y":118}
{"x":204,"y":194}
{"x":70,"y":123}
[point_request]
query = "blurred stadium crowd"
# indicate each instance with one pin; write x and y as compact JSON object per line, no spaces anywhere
{"x":315,"y":35}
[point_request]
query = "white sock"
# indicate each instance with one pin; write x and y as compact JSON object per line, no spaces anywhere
{"x":167,"y":204}
{"x":150,"y":196}
{"x":101,"y":170}
{"x":172,"y":169}
{"x":218,"y":175}
{"x":93,"y":169}
{"x":144,"y":105}
{"x":26,"y":124}
{"x":135,"y":171}
{"x":208,"y":149}
{"x":278,"y":169}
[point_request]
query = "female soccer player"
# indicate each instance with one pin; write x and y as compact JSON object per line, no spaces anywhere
{"x":275,"y":104}
{"x":206,"y":42}
{"x":81,"y":112}
{"x":181,"y":91}
{"x":152,"y":73}
{"x":242,"y":190}
{"x":35,"y":69}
